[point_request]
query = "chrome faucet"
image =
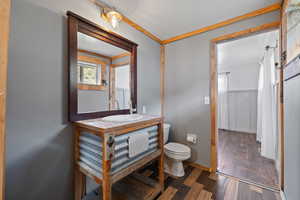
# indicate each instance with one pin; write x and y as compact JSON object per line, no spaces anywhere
{"x":131,"y":109}
{"x":118,"y":105}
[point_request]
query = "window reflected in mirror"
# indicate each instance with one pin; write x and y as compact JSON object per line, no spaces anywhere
{"x":103,"y":76}
{"x":89,"y":73}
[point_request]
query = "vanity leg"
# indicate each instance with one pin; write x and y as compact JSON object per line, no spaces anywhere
{"x":161,"y":158}
{"x":106,"y":184}
{"x":79,"y":184}
{"x":108,"y":149}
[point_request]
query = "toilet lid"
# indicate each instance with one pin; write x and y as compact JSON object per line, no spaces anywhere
{"x":177,"y":148}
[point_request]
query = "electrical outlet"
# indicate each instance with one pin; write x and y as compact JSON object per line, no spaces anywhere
{"x":206,"y":100}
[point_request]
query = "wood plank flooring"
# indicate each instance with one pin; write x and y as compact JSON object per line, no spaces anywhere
{"x":202,"y":185}
{"x":239,"y":156}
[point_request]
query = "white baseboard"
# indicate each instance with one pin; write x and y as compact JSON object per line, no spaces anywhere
{"x":282,"y":195}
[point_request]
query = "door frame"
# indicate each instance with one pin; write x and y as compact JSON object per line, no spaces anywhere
{"x":283,"y":51}
{"x":4,"y":35}
{"x":214,"y":90}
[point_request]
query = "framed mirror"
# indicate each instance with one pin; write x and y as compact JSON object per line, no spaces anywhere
{"x":102,"y":71}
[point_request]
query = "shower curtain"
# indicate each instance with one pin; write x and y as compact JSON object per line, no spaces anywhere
{"x":266,"y":106}
{"x":223,"y":115}
{"x":259,"y":103}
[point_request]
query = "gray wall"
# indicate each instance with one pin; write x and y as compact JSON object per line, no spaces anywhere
{"x":39,"y":148}
{"x":187,"y":82}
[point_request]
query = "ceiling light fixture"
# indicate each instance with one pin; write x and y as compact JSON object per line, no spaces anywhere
{"x":112,"y":16}
{"x":108,"y":13}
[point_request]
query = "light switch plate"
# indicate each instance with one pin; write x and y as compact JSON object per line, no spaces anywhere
{"x":206,"y":100}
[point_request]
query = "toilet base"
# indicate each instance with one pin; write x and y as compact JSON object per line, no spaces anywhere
{"x":173,"y":167}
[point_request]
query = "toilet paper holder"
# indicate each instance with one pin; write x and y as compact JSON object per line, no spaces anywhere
{"x":192,"y":138}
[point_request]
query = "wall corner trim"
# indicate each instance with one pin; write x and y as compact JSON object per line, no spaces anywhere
{"x":141,"y":29}
{"x":5,"y":7}
{"x":162,"y":78}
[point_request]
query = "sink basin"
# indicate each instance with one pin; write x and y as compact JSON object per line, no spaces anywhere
{"x":122,"y":118}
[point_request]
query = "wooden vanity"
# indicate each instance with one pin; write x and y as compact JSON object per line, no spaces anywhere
{"x":107,"y":132}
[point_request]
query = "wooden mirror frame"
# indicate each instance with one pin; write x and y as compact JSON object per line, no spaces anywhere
{"x":79,"y":24}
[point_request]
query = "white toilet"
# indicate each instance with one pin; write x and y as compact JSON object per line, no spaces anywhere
{"x":175,"y":153}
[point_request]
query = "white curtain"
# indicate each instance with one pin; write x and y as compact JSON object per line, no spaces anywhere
{"x":223,"y":115}
{"x":259,"y":103}
{"x":266,"y":105}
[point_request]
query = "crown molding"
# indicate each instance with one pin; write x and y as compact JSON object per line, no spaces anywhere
{"x":255,"y":13}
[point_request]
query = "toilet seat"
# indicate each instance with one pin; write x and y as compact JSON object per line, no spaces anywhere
{"x":177,"y":151}
{"x":178,"y":157}
{"x":177,"y":148}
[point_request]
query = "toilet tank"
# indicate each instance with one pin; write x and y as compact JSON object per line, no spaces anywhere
{"x":166,"y":132}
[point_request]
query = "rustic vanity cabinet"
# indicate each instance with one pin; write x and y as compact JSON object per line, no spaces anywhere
{"x":113,"y":164}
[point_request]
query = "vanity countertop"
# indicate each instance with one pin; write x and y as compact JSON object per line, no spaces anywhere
{"x":102,"y":126}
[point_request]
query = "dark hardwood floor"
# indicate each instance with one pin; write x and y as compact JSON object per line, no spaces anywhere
{"x":202,"y":185}
{"x":239,"y":156}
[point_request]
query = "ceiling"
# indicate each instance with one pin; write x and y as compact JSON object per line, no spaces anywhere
{"x":89,"y":43}
{"x":247,"y":50}
{"x":168,"y":18}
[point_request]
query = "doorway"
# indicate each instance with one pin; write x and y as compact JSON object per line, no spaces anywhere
{"x":245,"y":92}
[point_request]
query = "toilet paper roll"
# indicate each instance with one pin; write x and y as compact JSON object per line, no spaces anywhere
{"x":191,"y":138}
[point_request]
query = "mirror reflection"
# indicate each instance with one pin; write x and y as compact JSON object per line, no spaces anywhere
{"x":103,"y":76}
